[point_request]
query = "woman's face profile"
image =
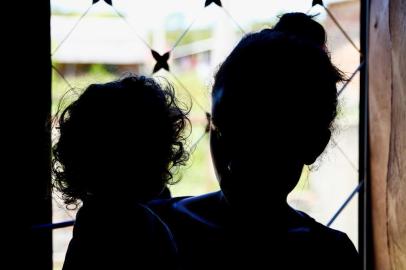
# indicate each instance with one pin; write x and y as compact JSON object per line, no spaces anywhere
{"x":250,"y":164}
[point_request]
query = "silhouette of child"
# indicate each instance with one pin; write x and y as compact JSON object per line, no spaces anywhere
{"x":274,"y":103}
{"x":119,"y":143}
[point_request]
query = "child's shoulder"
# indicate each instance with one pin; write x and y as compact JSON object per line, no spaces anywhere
{"x":116,"y":215}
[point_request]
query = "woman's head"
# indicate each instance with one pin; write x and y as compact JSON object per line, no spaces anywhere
{"x":119,"y":139}
{"x":274,"y":102}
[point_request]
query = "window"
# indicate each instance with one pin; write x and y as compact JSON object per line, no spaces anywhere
{"x":97,"y":43}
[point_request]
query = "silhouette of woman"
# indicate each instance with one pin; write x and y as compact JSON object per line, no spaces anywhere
{"x":118,"y":145}
{"x":274,"y":103}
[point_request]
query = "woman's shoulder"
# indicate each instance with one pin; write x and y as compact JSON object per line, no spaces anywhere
{"x":331,"y":244}
{"x":302,"y":222}
{"x":202,"y":209}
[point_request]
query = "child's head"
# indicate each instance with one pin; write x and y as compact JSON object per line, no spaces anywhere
{"x":274,"y":102}
{"x":119,"y":140}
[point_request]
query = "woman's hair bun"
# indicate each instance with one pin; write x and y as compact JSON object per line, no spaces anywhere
{"x":302,"y":26}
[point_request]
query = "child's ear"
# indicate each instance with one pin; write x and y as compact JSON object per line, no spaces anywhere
{"x":315,"y":147}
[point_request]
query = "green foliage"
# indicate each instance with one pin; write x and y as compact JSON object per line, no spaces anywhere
{"x":63,"y":93}
{"x":197,"y":177}
{"x":191,"y":36}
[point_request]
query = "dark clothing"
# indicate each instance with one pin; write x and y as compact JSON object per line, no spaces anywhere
{"x":119,"y":237}
{"x":211,"y":236}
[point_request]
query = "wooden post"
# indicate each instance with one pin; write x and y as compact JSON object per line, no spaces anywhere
{"x":387,"y":106}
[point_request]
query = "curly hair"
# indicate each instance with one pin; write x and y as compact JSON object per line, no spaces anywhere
{"x":124,"y":138}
